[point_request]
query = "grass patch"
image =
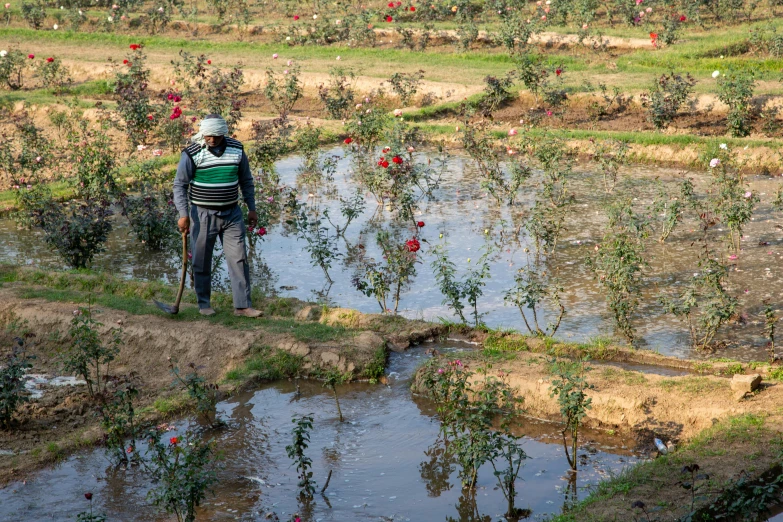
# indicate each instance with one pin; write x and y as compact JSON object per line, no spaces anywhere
{"x":498,"y":342}
{"x":306,"y":331}
{"x":629,"y":378}
{"x":662,"y":472}
{"x":266,"y":364}
{"x":376,"y":368}
{"x":693,"y":385}
{"x":775,"y":374}
{"x":172,"y":404}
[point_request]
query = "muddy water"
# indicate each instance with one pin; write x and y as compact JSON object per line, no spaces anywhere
{"x":385,"y":460}
{"x":468,"y":219}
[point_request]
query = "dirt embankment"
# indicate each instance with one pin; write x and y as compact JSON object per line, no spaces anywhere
{"x":647,"y":405}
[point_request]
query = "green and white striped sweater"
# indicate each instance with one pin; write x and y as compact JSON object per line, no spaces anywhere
{"x":215,"y":178}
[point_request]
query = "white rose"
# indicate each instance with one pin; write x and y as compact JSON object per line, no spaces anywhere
{"x":716,"y":74}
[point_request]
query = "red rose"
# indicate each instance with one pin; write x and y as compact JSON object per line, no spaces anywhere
{"x":347,"y":141}
{"x":261,"y":231}
{"x":31,"y":56}
{"x":389,"y":18}
{"x":384,"y":164}
{"x":391,"y":4}
{"x":413,"y":245}
{"x":170,"y":96}
{"x":88,"y":496}
{"x":558,"y":71}
{"x":420,"y":224}
{"x":173,"y":440}
{"x":50,"y":59}
{"x":653,"y":35}
{"x":177,"y":99}
{"x":134,"y":46}
{"x":413,"y":9}
{"x":209,"y":62}
{"x":682,"y":18}
{"x":150,"y":117}
{"x":296,"y":17}
{"x":397,"y":160}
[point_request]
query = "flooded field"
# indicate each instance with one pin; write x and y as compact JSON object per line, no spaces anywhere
{"x":468,"y":219}
{"x":386,"y":459}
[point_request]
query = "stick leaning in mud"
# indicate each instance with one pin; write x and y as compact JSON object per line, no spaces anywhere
{"x":174,"y":309}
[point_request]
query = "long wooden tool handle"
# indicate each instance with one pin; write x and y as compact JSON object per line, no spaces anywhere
{"x":184,"y":269}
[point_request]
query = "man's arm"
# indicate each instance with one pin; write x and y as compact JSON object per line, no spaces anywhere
{"x":182,"y":181}
{"x":246,"y":183}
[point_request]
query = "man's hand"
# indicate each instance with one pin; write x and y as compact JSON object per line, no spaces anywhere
{"x":252,"y":219}
{"x":183,"y":224}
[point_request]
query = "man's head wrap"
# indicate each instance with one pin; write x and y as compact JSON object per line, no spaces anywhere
{"x":211,"y":125}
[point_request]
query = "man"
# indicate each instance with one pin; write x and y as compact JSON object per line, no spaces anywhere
{"x":210,"y":174}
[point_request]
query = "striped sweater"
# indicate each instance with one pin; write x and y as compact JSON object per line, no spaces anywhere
{"x":215,"y":178}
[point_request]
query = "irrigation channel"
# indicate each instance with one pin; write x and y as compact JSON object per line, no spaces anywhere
{"x":468,"y":219}
{"x":386,"y":460}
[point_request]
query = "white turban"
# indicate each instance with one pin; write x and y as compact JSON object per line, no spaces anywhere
{"x":215,"y":126}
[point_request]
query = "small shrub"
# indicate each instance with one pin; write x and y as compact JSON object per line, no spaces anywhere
{"x":150,"y":210}
{"x":183,"y":468}
{"x":321,"y":245}
{"x":610,"y":154}
{"x":87,"y":354}
{"x":530,"y":291}
{"x":670,"y":33}
{"x":92,"y":158}
{"x":131,"y":80}
{"x":531,"y":71}
{"x":496,"y":92}
{"x":515,"y":32}
{"x":210,"y":89}
{"x":118,"y":420}
{"x":296,"y":452}
{"x":54,"y":75}
{"x":34,"y":13}
{"x":314,"y":169}
{"x":270,"y":141}
{"x":482,"y":148}
{"x":338,"y":97}
{"x":469,"y":288}
{"x":668,"y":94}
{"x":704,"y":303}
{"x":12,"y":378}
{"x":12,"y":67}
{"x":618,"y":262}
{"x":283,"y":90}
{"x":570,"y":387}
{"x":79,"y":234}
{"x":198,"y":389}
{"x":735,"y":89}
{"x":405,"y":86}
{"x":609,"y":104}
{"x":387,"y":279}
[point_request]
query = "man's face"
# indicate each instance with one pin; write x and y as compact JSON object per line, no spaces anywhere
{"x":213,"y":141}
